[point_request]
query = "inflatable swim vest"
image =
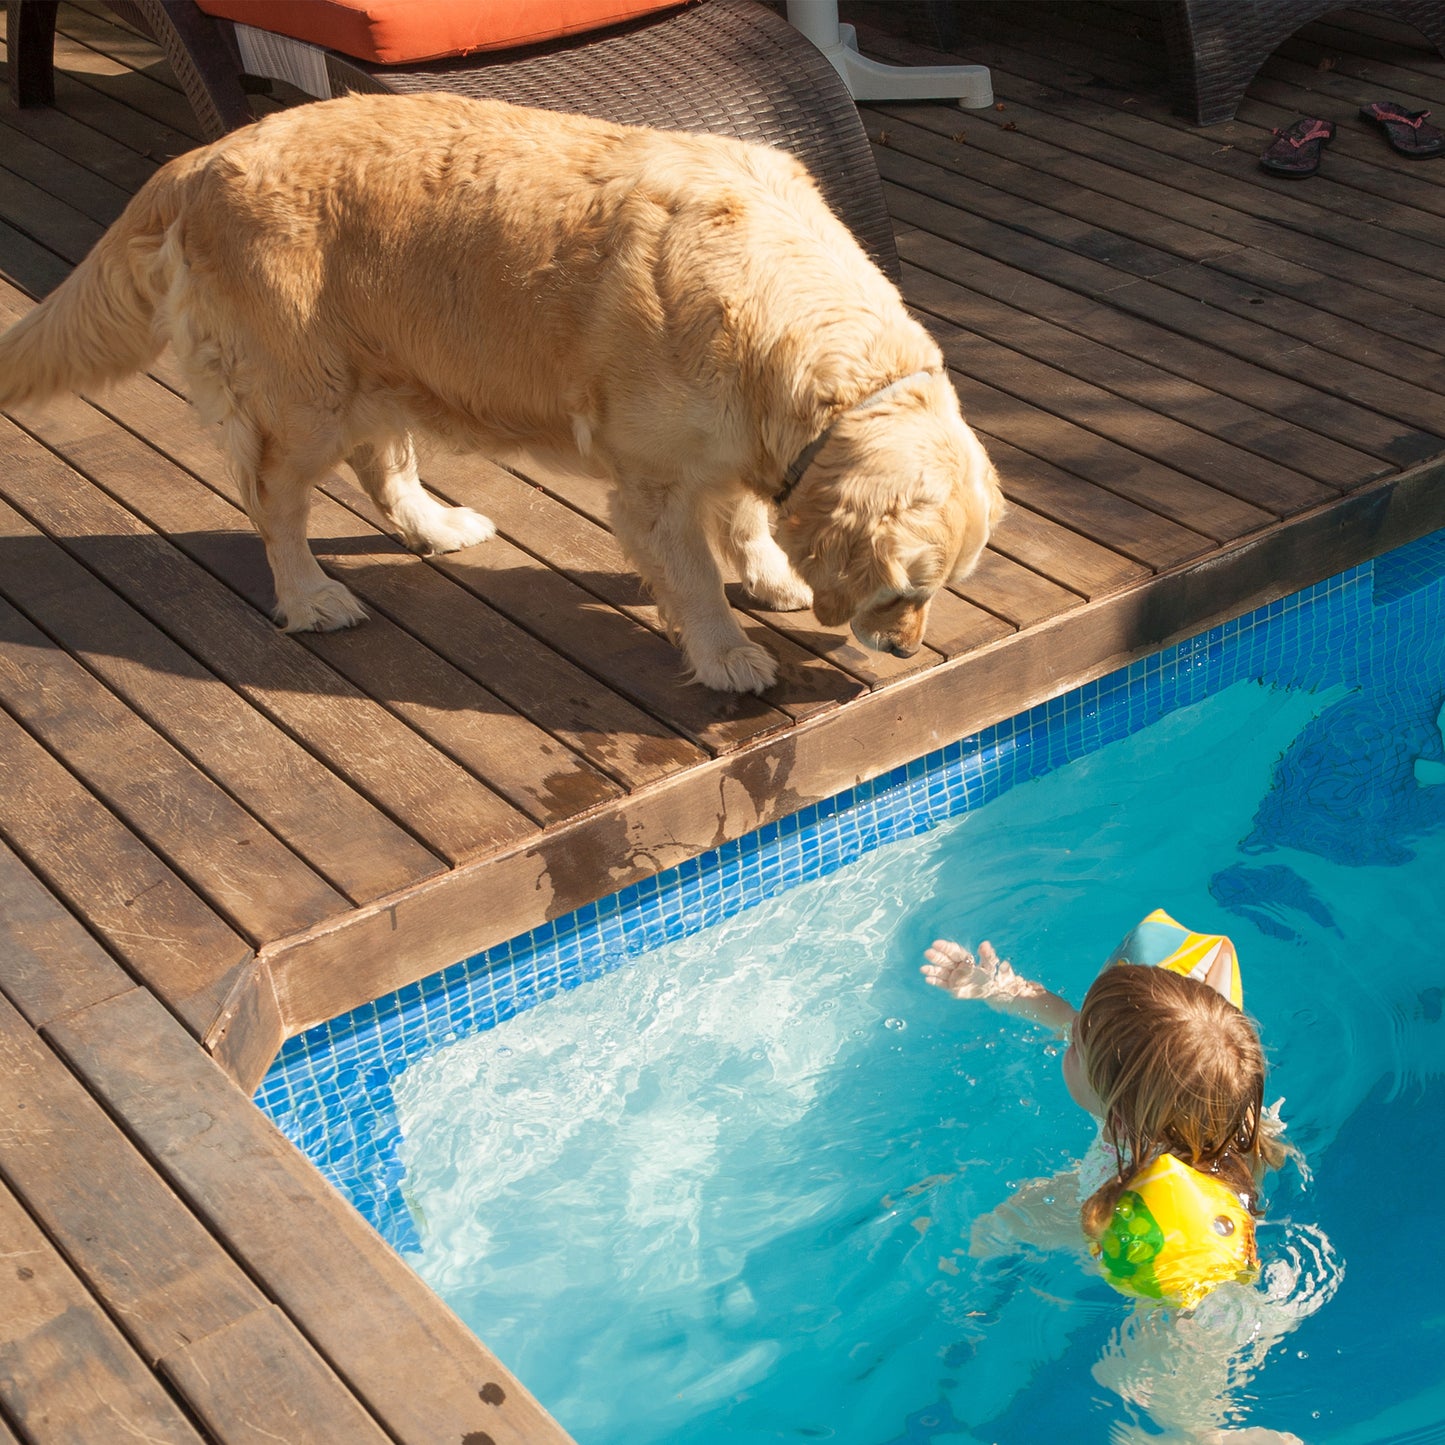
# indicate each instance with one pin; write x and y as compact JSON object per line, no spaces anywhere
{"x":1176,"y":1233}
{"x":1162,"y":942}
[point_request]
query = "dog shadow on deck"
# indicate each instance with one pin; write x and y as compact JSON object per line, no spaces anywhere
{"x":577,"y":651}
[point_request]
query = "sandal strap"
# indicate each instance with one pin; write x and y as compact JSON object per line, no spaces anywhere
{"x":1395,"y":116}
{"x":1318,"y":130}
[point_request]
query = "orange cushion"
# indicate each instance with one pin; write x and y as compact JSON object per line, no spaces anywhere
{"x":398,"y":32}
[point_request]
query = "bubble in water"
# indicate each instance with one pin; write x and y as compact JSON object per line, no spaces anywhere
{"x":894,"y":1024}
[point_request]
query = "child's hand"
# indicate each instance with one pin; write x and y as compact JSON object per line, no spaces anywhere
{"x":954,"y":968}
{"x":992,"y":979}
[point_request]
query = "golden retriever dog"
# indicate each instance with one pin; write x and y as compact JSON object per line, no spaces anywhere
{"x":679,"y":312}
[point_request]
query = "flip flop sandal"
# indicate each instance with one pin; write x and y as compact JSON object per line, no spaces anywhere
{"x":1406,"y":129}
{"x":1295,"y":150}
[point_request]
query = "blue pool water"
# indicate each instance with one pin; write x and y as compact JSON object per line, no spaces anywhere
{"x":727,"y":1183}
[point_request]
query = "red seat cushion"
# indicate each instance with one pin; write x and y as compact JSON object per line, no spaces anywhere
{"x":400,"y":32}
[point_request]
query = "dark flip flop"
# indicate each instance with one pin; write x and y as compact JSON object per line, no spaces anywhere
{"x":1406,"y":129}
{"x":1295,"y":150}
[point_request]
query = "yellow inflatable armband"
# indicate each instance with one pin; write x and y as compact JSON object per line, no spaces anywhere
{"x":1162,"y":942}
{"x":1176,"y":1234}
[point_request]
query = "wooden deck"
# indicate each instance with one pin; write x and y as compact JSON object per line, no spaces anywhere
{"x":1203,"y":387}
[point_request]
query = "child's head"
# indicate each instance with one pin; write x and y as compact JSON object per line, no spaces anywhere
{"x":1171,"y":1067}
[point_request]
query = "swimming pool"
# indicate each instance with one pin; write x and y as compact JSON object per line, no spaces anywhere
{"x":727,"y":1191}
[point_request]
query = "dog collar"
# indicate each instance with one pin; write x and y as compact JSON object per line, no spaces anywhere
{"x":806,"y":457}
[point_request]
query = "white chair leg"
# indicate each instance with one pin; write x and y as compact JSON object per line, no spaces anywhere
{"x":970,"y":85}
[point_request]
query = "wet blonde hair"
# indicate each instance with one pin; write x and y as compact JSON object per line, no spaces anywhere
{"x":1178,"y":1070}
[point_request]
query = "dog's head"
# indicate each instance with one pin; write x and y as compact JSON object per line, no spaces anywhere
{"x":899,"y":501}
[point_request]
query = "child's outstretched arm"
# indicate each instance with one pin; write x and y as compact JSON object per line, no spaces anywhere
{"x":992,"y":979}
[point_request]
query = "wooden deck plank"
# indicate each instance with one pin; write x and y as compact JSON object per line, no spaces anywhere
{"x":1333,"y":439}
{"x":66,"y":1373}
{"x":88,"y":193}
{"x":1015,"y":165}
{"x":103,"y":109}
{"x":25,"y":263}
{"x":148,"y":918}
{"x":160,"y":1275}
{"x":1184,"y":177}
{"x":240,"y":1176}
{"x":1013,"y":592}
{"x":89,"y":130}
{"x":98,"y":28}
{"x":48,"y":221}
{"x":242,"y":871}
{"x":49,"y":964}
{"x":259,"y":1380}
{"x":1058,"y":553}
{"x":343,"y":836}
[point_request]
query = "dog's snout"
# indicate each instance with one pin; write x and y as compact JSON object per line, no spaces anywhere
{"x":876,"y":642}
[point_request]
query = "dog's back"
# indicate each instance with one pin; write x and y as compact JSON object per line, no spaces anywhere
{"x":502,"y":275}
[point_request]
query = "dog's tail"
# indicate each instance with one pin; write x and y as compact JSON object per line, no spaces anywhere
{"x":100,"y":324}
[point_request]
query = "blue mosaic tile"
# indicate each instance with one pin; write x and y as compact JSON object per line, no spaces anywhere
{"x":329,"y":1089}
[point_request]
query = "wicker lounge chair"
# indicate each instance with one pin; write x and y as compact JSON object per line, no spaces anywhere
{"x":1216,"y":47}
{"x":730,"y":67}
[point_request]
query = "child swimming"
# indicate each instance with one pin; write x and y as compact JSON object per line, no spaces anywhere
{"x":1162,"y":1054}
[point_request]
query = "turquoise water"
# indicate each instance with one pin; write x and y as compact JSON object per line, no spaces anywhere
{"x":728,"y":1192}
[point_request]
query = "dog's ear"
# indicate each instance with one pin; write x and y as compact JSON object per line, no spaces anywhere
{"x":832,"y":606}
{"x":974,"y":515}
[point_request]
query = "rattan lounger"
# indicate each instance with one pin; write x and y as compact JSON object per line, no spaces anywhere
{"x":730,"y":67}
{"x":1216,"y":47}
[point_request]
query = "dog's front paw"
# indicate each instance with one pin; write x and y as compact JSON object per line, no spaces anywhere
{"x":785,"y":593}
{"x":449,"y":529}
{"x":327,"y":609}
{"x":745,"y":668}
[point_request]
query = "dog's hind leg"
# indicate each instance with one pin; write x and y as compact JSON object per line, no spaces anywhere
{"x":388,"y":472}
{"x":668,"y":544}
{"x":746,"y":540}
{"x":276,"y":492}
